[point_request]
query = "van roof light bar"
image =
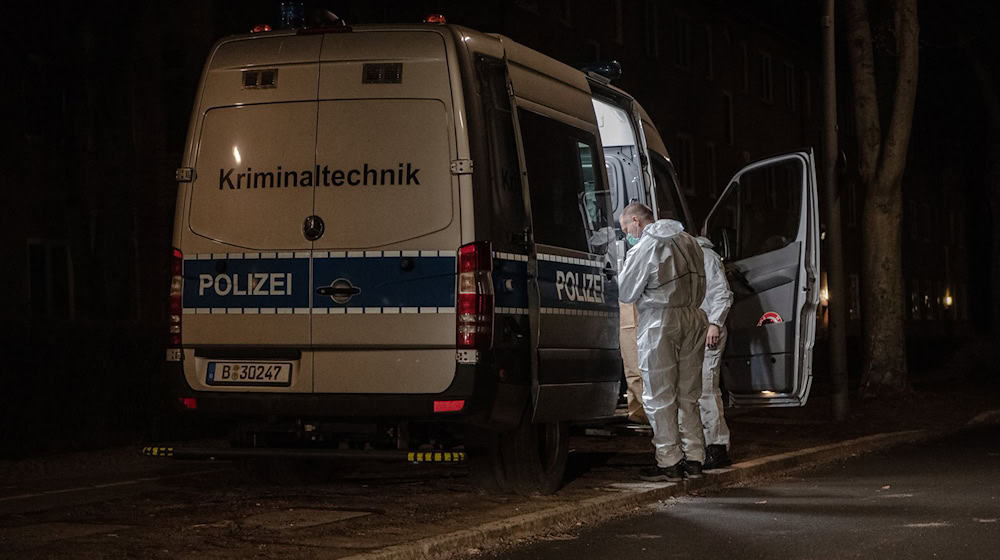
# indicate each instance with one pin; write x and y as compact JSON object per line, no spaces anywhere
{"x":326,"y":22}
{"x":606,"y":72}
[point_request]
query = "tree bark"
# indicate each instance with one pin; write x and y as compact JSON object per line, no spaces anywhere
{"x":882,"y":161}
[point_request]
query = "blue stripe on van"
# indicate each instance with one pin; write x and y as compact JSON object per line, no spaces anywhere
{"x":396,"y":281}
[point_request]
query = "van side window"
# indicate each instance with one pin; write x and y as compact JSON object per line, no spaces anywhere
{"x":505,"y":192}
{"x":770,"y":223}
{"x":570,"y":204}
{"x":668,"y":204}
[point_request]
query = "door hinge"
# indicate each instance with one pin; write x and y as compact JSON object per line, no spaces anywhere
{"x":184,"y":174}
{"x":461,"y":167}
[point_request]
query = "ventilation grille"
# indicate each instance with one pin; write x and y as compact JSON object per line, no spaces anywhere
{"x":256,"y":79}
{"x":383,"y":73}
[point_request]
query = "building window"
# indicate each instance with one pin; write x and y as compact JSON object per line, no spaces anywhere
{"x":595,"y":50}
{"x":744,"y":55}
{"x":619,"y":22}
{"x":807,"y":92}
{"x":529,"y":5}
{"x":50,"y":279}
{"x":709,"y":54}
{"x":684,"y":162}
{"x":791,"y":92}
{"x":712,"y":169}
{"x":766,"y":78}
{"x":960,"y":229}
{"x":854,"y":303}
{"x":651,"y":28}
{"x":566,"y":12}
{"x":727,"y":116}
{"x":682,"y":46}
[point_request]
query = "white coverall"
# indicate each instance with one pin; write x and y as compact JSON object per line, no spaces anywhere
{"x":664,"y":275}
{"x":718,"y":300}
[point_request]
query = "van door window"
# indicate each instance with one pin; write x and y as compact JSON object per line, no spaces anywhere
{"x":668,"y":204}
{"x":505,"y":191}
{"x":761,"y":213}
{"x":570,"y":205}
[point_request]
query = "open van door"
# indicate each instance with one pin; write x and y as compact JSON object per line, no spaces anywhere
{"x":766,"y":227}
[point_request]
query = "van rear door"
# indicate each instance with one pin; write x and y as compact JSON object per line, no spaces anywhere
{"x":384,"y":268}
{"x":246,"y":289}
{"x":766,"y":227}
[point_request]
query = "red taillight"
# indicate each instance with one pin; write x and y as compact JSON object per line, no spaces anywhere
{"x":189,"y":403}
{"x":435,"y":18}
{"x":176,"y":305}
{"x":474,"y":307}
{"x":260,"y":28}
{"x":448,"y":406}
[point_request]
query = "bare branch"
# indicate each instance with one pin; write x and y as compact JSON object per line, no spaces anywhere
{"x":866,"y":114}
{"x":897,"y":141}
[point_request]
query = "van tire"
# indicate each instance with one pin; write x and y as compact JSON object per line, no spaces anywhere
{"x":534,"y":455}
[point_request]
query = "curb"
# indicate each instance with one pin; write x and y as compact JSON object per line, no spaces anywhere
{"x":601,"y":508}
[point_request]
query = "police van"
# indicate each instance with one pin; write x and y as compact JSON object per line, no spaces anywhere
{"x":388,"y":229}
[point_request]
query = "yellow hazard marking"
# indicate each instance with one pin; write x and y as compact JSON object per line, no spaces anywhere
{"x":435,"y":456}
{"x":152,"y":451}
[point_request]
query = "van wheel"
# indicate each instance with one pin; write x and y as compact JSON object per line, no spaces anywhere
{"x":534,"y":455}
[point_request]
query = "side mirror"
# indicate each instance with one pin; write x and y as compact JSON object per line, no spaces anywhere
{"x":724,"y":240}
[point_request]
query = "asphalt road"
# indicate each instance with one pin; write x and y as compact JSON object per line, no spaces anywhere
{"x":934,"y":500}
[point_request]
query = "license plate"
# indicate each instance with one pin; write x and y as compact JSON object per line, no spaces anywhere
{"x":249,"y":373}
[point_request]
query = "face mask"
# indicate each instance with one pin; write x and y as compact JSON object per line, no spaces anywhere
{"x":631,"y":240}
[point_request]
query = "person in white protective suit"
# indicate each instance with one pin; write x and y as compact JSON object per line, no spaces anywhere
{"x":664,"y":275}
{"x":718,"y":300}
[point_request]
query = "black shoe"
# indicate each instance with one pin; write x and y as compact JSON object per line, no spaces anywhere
{"x":663,"y":474}
{"x":692,"y":469}
{"x":717,"y":457}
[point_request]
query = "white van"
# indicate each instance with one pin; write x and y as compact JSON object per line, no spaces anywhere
{"x":401,"y":227}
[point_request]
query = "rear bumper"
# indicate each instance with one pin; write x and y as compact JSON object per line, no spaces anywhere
{"x":486,"y":401}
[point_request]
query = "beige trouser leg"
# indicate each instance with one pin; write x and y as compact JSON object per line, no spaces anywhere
{"x":630,"y":356}
{"x":711,"y":405}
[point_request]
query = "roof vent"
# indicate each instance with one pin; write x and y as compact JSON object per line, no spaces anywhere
{"x":383,"y":73}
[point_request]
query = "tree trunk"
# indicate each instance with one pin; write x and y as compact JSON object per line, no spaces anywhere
{"x":882,"y":161}
{"x":885,"y":343}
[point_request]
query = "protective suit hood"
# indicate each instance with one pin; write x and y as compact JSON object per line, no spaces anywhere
{"x":705,"y":242}
{"x":663,"y":229}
